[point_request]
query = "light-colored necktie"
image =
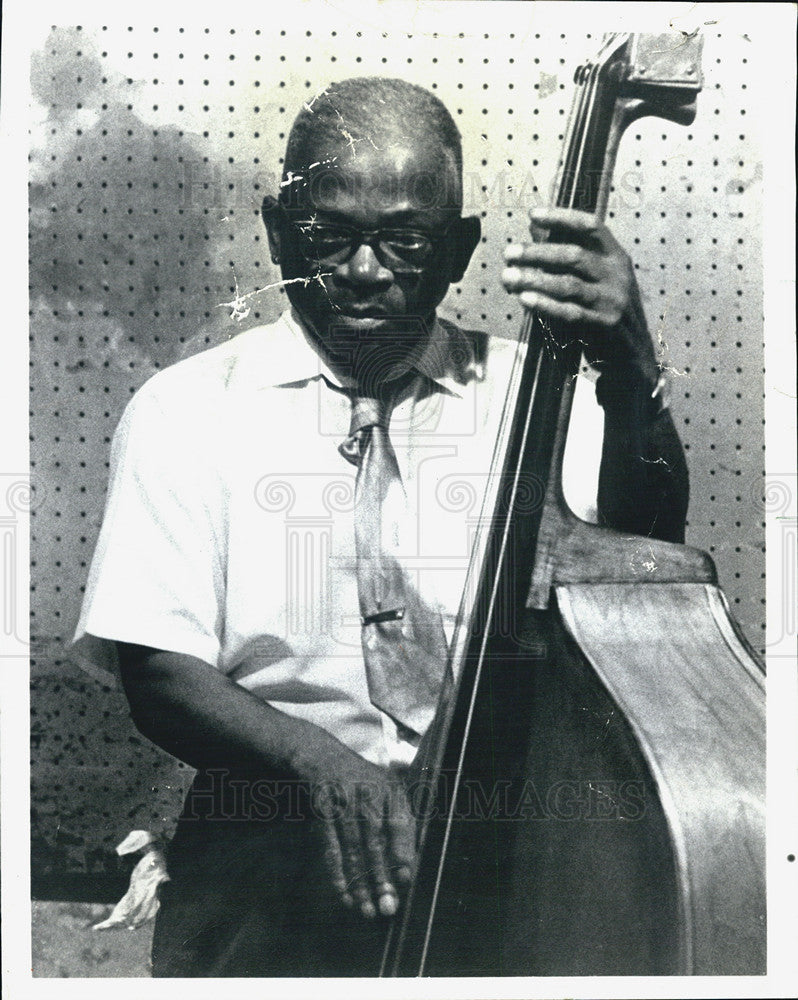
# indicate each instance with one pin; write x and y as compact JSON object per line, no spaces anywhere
{"x":404,"y":645}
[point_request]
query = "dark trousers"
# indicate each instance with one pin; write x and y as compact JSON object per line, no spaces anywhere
{"x":248,"y":894}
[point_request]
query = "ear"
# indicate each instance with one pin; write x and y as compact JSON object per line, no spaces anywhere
{"x":271,"y":215}
{"x":463,"y":240}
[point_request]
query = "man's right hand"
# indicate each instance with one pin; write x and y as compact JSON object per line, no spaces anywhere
{"x":203,"y":717}
{"x":367,"y":827}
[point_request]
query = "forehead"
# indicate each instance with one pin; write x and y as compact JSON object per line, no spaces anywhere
{"x":357,"y":175}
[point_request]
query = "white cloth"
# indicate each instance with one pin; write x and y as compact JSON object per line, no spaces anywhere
{"x":140,"y":903}
{"x":228,"y":530}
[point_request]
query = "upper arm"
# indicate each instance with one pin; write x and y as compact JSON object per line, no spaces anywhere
{"x":163,"y":687}
{"x":157,"y":577}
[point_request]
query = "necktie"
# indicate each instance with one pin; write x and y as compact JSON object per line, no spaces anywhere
{"x":404,"y":645}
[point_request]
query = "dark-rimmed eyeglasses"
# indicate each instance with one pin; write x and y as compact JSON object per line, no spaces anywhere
{"x":403,"y":251}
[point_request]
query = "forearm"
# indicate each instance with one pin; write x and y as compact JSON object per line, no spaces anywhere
{"x":643,"y":483}
{"x":207,"y":720}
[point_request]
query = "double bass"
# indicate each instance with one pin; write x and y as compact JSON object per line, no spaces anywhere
{"x":591,"y":797}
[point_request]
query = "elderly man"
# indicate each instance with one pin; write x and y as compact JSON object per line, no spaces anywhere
{"x":285,"y":685}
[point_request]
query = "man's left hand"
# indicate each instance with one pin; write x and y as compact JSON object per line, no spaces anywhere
{"x":582,"y":277}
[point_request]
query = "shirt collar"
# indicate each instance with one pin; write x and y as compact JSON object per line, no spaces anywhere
{"x":289,"y":358}
{"x":449,"y":358}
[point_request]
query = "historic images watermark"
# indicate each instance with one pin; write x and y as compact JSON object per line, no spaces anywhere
{"x":232,"y":798}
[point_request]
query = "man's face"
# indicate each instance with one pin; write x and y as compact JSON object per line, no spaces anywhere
{"x":368,"y":303}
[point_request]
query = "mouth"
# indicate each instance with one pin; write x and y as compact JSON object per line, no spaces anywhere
{"x":364,"y":317}
{"x":354,"y":311}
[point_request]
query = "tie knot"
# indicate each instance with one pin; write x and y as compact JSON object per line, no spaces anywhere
{"x":374,"y":408}
{"x":367,"y":411}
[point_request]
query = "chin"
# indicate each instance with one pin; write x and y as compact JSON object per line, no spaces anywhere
{"x":371,"y":346}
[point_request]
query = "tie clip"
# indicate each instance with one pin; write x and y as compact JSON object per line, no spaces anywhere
{"x":395,"y":614}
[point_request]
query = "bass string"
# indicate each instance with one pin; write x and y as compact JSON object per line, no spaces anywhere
{"x":585,"y":136}
{"x":583,"y":125}
{"x":574,"y":139}
{"x":579,"y":125}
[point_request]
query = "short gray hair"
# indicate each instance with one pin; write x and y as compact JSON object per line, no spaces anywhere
{"x":372,"y":108}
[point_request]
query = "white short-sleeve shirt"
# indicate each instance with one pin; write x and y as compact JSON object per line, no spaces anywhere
{"x":228,"y":532}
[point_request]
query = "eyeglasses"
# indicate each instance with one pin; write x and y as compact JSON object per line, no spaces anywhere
{"x":403,"y":251}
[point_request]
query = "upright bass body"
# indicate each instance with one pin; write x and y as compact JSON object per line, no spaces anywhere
{"x":609,"y":815}
{"x":592,"y":797}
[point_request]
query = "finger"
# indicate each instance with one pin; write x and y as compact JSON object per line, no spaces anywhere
{"x":355,"y":865}
{"x":556,"y":257}
{"x":333,"y":859}
{"x":375,"y":846}
{"x":538,"y":233}
{"x":569,"y":219}
{"x":565,"y":287}
{"x":568,"y":225}
{"x":387,"y":900}
{"x":401,"y":826}
{"x":566,"y":312}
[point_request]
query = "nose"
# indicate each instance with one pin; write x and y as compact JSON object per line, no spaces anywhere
{"x":364,"y":269}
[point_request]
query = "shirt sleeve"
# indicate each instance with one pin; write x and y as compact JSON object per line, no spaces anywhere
{"x":157,"y":576}
{"x":644,"y":485}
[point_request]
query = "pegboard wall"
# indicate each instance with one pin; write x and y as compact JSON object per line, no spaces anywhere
{"x":151,"y":150}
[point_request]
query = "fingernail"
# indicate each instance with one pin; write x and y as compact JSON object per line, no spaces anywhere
{"x":367,"y":909}
{"x":388,"y":905}
{"x":347,"y":900}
